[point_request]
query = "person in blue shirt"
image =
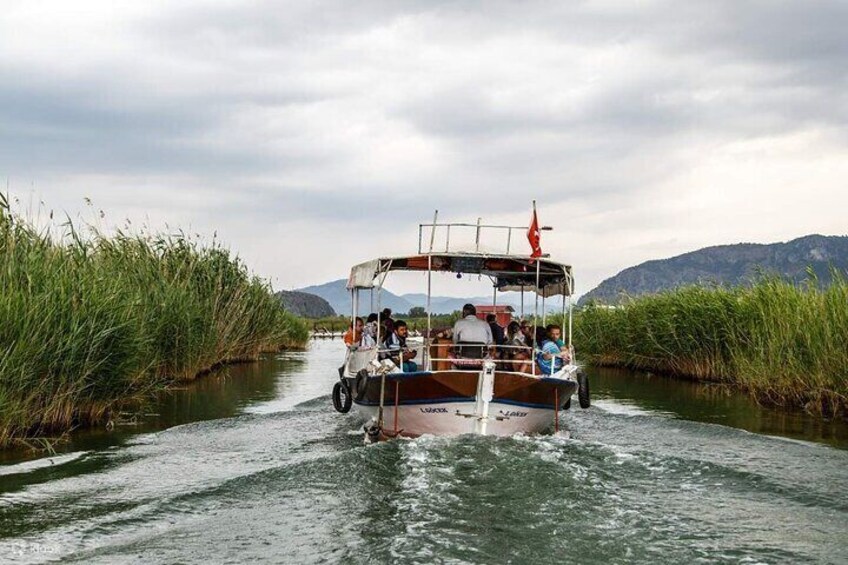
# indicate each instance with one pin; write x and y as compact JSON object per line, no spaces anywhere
{"x":551,"y":357}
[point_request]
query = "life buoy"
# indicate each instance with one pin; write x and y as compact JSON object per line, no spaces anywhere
{"x":583,"y":390}
{"x":360,"y":384}
{"x":342,"y":399}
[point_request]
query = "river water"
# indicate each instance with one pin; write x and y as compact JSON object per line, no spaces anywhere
{"x":253,"y":464}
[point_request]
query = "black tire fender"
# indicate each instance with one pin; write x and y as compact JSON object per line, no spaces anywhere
{"x":583,"y":390}
{"x":342,"y":398}
{"x":360,"y":384}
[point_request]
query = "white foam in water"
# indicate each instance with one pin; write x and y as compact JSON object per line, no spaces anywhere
{"x":796,"y":441}
{"x":621,"y":454}
{"x":627,"y":409}
{"x":36,"y":464}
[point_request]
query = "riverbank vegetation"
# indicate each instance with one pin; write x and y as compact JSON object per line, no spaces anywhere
{"x":785,"y":343}
{"x":88,"y":322}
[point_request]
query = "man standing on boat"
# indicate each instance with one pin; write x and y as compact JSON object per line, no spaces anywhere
{"x":498,"y":336}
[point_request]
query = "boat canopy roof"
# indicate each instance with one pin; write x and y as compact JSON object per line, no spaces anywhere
{"x":508,"y":272}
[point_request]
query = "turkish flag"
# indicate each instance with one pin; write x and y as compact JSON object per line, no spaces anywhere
{"x":534,"y":236}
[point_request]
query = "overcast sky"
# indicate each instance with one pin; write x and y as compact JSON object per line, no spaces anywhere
{"x":312,"y":135}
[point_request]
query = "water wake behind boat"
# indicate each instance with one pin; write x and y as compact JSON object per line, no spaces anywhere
{"x":300,"y":486}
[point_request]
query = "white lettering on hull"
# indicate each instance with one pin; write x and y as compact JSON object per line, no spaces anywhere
{"x":442,"y":419}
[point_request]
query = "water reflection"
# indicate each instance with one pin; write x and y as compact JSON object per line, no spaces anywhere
{"x":222,"y":394}
{"x":712,"y":403}
{"x":279,"y":382}
{"x":274,"y":474}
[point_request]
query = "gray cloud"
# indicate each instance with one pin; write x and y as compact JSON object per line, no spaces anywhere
{"x":261,"y":116}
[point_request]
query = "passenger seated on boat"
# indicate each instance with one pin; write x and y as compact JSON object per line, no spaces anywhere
{"x":399,"y":353}
{"x":541,"y":336}
{"x":518,"y":353}
{"x":527,"y":331}
{"x":353,"y":335}
{"x":551,"y":359}
{"x":387,"y":321}
{"x":470,"y":328}
{"x":369,"y":331}
{"x":472,"y":338}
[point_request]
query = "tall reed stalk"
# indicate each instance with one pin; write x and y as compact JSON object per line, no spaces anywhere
{"x":89,"y":322}
{"x":785,"y":343}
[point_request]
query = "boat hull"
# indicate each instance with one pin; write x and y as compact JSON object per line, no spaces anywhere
{"x":445,"y":403}
{"x":452,"y":419}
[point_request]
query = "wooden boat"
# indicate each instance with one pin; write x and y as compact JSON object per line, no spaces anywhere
{"x":451,"y":392}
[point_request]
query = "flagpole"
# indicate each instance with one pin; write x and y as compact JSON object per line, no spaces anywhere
{"x":536,"y":316}
{"x":535,"y":221}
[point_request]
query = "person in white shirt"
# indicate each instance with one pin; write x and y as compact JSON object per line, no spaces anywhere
{"x":369,"y":332}
{"x":471,"y":329}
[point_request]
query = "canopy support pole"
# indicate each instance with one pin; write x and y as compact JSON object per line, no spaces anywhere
{"x":379,"y":321}
{"x":429,"y":323}
{"x":379,"y":303}
{"x":379,"y":327}
{"x":522,"y":301}
{"x":536,"y":316}
{"x":563,"y":308}
{"x":570,"y":311}
{"x":430,"y":287}
{"x":353,"y":293}
{"x":433,"y":230}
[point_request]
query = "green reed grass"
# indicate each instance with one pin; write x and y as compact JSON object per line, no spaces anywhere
{"x":89,"y":322}
{"x":785,"y":343}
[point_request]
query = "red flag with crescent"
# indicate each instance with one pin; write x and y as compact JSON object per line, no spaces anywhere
{"x":534,"y":235}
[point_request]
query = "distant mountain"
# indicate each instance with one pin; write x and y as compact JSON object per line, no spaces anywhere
{"x":729,"y":265}
{"x":305,"y":304}
{"x":448,"y":304}
{"x":336,"y":293}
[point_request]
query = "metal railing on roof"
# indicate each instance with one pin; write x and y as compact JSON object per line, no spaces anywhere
{"x":441,"y":233}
